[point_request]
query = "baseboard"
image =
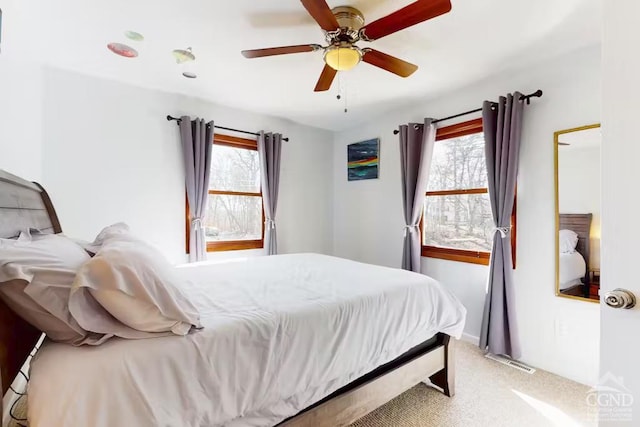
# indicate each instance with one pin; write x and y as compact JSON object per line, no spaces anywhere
{"x":471,"y":339}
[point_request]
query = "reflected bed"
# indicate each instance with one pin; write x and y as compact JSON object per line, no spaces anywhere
{"x":573,"y":268}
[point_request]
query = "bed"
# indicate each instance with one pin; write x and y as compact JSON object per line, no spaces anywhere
{"x":293,"y":340}
{"x":574,"y":267}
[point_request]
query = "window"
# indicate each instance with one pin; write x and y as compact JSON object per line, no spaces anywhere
{"x":457,"y":224}
{"x":234,"y":218}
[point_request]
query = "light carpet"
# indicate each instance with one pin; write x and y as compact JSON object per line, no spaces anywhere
{"x":487,"y":394}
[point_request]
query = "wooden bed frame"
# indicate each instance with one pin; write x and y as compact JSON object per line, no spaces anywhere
{"x":25,"y":204}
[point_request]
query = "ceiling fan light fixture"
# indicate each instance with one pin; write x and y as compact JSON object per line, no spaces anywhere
{"x":342,"y":58}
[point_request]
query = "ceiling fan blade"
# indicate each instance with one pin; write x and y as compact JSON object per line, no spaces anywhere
{"x":325,"y":80}
{"x":406,"y":17}
{"x":320,"y":11}
{"x":389,"y":63}
{"x":283,"y":50}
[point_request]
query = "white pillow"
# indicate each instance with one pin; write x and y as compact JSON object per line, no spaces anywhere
{"x":137,"y":313}
{"x":36,"y":274}
{"x":133,"y":287}
{"x":568,"y":241}
{"x":93,"y":247}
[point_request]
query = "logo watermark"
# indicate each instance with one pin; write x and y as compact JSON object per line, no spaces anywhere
{"x":610,"y":400}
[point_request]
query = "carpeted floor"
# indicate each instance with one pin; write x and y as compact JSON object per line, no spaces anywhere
{"x":487,"y":394}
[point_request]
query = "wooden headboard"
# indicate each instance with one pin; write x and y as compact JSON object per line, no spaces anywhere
{"x":23,"y":204}
{"x":581,"y":225}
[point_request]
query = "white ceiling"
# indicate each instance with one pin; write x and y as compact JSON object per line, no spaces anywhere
{"x":476,"y":39}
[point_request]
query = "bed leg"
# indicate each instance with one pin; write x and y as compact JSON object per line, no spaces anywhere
{"x":446,"y":378}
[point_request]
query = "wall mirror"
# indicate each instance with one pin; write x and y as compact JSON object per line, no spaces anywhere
{"x":577,"y":179}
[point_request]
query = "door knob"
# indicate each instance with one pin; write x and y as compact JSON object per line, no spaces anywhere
{"x":620,"y":298}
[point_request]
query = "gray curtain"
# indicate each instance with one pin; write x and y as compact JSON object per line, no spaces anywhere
{"x":416,"y":151}
{"x":269,"y":148}
{"x":197,"y":138}
{"x":502,"y":124}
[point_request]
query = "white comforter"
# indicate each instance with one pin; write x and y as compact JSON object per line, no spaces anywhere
{"x":280,"y":333}
{"x":572,"y":269}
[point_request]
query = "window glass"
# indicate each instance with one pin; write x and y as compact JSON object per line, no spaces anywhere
{"x":234,"y":169}
{"x":457,"y":223}
{"x":233,"y":218}
{"x":460,"y":221}
{"x":458,"y":163}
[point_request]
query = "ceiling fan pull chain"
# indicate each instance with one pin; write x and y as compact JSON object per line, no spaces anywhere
{"x":346,"y":99}
{"x":340,"y":87}
{"x":343,"y":90}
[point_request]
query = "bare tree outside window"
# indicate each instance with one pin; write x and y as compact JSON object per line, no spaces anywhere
{"x":234,"y":169}
{"x":235,"y":204}
{"x":234,"y":218}
{"x":457,"y":211}
{"x":458,"y":164}
{"x":457,"y":223}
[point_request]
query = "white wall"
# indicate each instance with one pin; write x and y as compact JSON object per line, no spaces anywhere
{"x":579,"y":189}
{"x":20,"y":102}
{"x":557,"y":334}
{"x":21,"y":118}
{"x":110,"y":155}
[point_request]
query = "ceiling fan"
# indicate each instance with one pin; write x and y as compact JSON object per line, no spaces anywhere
{"x":343,"y":27}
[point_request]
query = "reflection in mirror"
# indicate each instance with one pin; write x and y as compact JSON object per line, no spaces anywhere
{"x":578,"y":212}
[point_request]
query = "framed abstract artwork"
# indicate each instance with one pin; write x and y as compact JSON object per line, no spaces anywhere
{"x":362,"y":160}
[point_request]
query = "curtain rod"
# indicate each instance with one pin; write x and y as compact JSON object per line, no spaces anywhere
{"x":527,"y":98}
{"x":178,"y":120}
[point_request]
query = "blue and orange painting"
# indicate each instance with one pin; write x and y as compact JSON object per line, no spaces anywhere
{"x":362,"y":158}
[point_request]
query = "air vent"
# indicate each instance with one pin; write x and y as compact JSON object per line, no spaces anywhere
{"x":510,"y":362}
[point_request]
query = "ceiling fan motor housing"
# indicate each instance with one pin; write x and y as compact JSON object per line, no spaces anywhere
{"x":350,"y":20}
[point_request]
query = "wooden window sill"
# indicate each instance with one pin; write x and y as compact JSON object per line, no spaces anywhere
{"x":236,"y":245}
{"x":473,"y":257}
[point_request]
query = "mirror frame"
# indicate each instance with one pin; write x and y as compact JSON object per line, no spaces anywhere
{"x":556,"y":139}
